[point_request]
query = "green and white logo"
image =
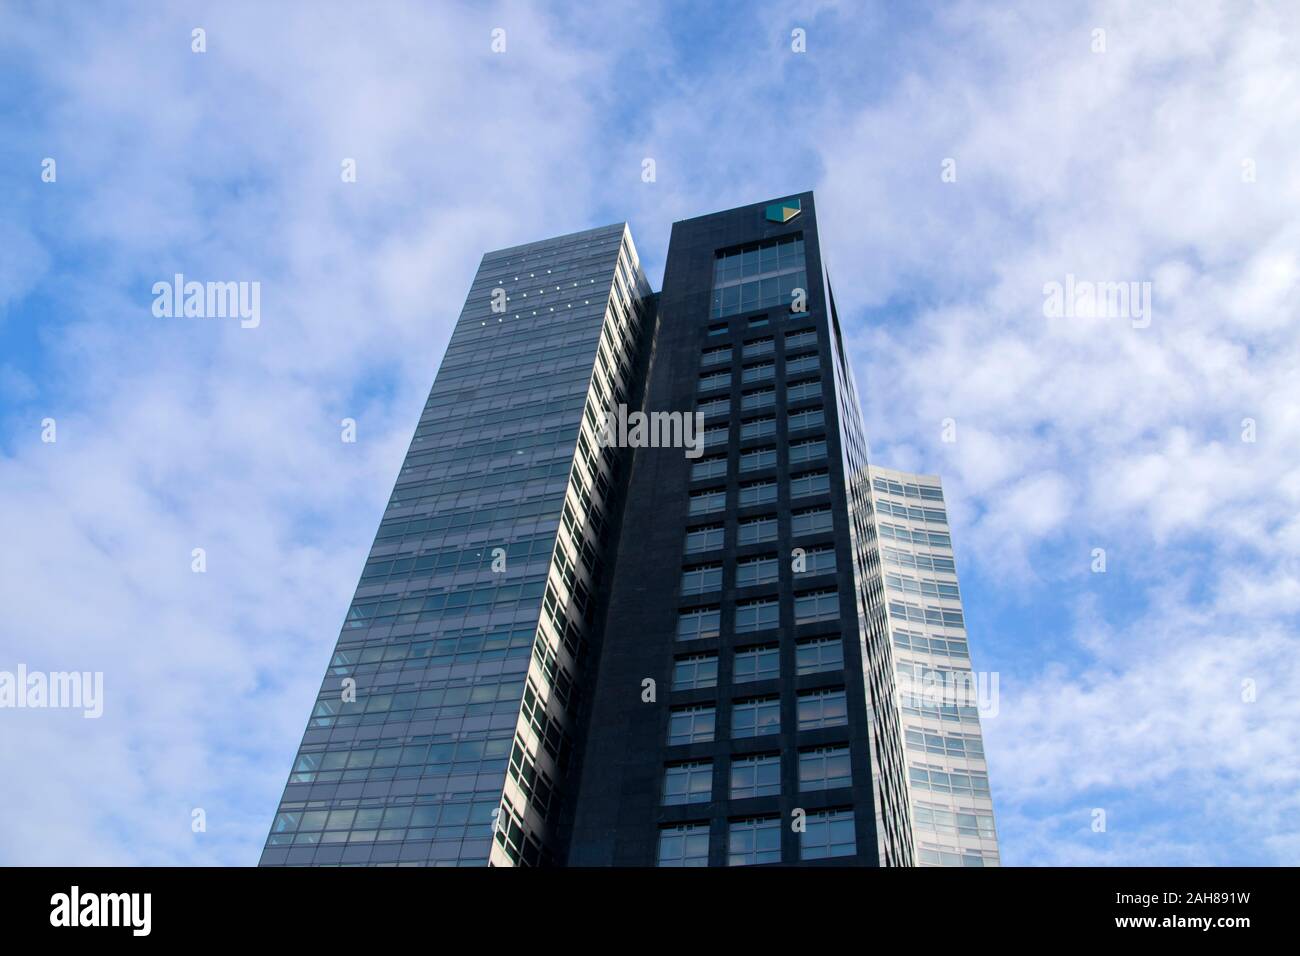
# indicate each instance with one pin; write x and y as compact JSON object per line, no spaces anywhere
{"x":783,"y":211}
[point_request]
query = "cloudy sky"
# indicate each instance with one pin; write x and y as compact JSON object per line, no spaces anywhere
{"x":1164,"y":691}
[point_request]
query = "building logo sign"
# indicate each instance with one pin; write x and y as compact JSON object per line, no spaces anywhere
{"x":783,"y":211}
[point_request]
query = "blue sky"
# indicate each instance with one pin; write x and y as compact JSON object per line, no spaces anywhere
{"x":1120,"y":691}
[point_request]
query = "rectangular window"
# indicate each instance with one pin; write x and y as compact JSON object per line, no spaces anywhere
{"x":684,"y":845}
{"x":806,"y":451}
{"x":810,"y":483}
{"x":756,"y":717}
{"x":696,"y":671}
{"x":756,"y":571}
{"x":717,"y":435}
{"x":827,"y":834}
{"x":823,"y":654}
{"x":715,"y":467}
{"x":822,"y":708}
{"x":704,"y":539}
{"x":757,"y":530}
{"x":800,"y":340}
{"x":758,"y":458}
{"x":707,"y":502}
{"x":758,"y":276}
{"x":808,"y":418}
{"x":763,"y":372}
{"x":762,"y":398}
{"x":757,"y":776}
{"x":816,"y":606}
{"x":804,"y":363}
{"x":698,"y":623}
{"x":758,"y":347}
{"x":804,"y":391}
{"x":811,"y":521}
{"x":753,"y":841}
{"x":822,"y":768}
{"x":716,"y":356}
{"x":757,"y":663}
{"x":715,"y":380}
{"x":756,"y":616}
{"x":817,"y":561}
{"x":701,"y":579}
{"x":757,"y":428}
{"x":714,"y":406}
{"x":757,"y":493}
{"x":690,"y":782}
{"x":691,"y":725}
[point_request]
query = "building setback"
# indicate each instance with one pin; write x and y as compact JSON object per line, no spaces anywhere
{"x":567,"y":653}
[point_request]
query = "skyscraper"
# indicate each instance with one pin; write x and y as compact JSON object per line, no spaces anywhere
{"x":939,"y":695}
{"x":570,"y":652}
{"x":446,"y":714}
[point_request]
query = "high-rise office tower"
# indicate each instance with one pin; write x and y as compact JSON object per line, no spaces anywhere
{"x":939,"y":695}
{"x":747,"y":587}
{"x":446,"y":715}
{"x":687,"y":656}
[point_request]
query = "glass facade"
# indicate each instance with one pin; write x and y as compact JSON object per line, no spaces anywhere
{"x":443,"y":730}
{"x":938,"y":692}
{"x":563,"y":653}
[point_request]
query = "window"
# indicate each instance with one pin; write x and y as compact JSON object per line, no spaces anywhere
{"x":757,"y":530}
{"x":717,"y":435}
{"x":762,"y":398}
{"x":762,"y":372}
{"x":684,"y":845}
{"x":927,"y":492}
{"x":811,"y":483}
{"x":720,"y":329}
{"x":757,"y":428}
{"x":827,"y":834}
{"x":756,"y":616}
{"x":698,"y":670}
{"x":714,"y":406}
{"x":804,"y":363}
{"x":811,"y":521}
{"x":799,"y":340}
{"x":715,"y":467}
{"x":756,"y":717}
{"x":758,"y":276}
{"x":757,"y":663}
{"x":805,"y":451}
{"x":690,"y":782}
{"x":758,"y":493}
{"x":818,"y":561}
{"x":756,"y":571}
{"x":715,"y":380}
{"x":808,"y":418}
{"x":705,"y":577}
{"x":758,"y":347}
{"x":802,"y":391}
{"x":707,"y":538}
{"x":758,"y":458}
{"x":757,"y":776}
{"x":823,"y":654}
{"x":707,"y":502}
{"x":753,"y":841}
{"x":717,"y":355}
{"x":698,"y":623}
{"x":822,"y":708}
{"x":824,"y":767}
{"x":691,"y":725}
{"x":816,"y":606}
{"x":965,"y":783}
